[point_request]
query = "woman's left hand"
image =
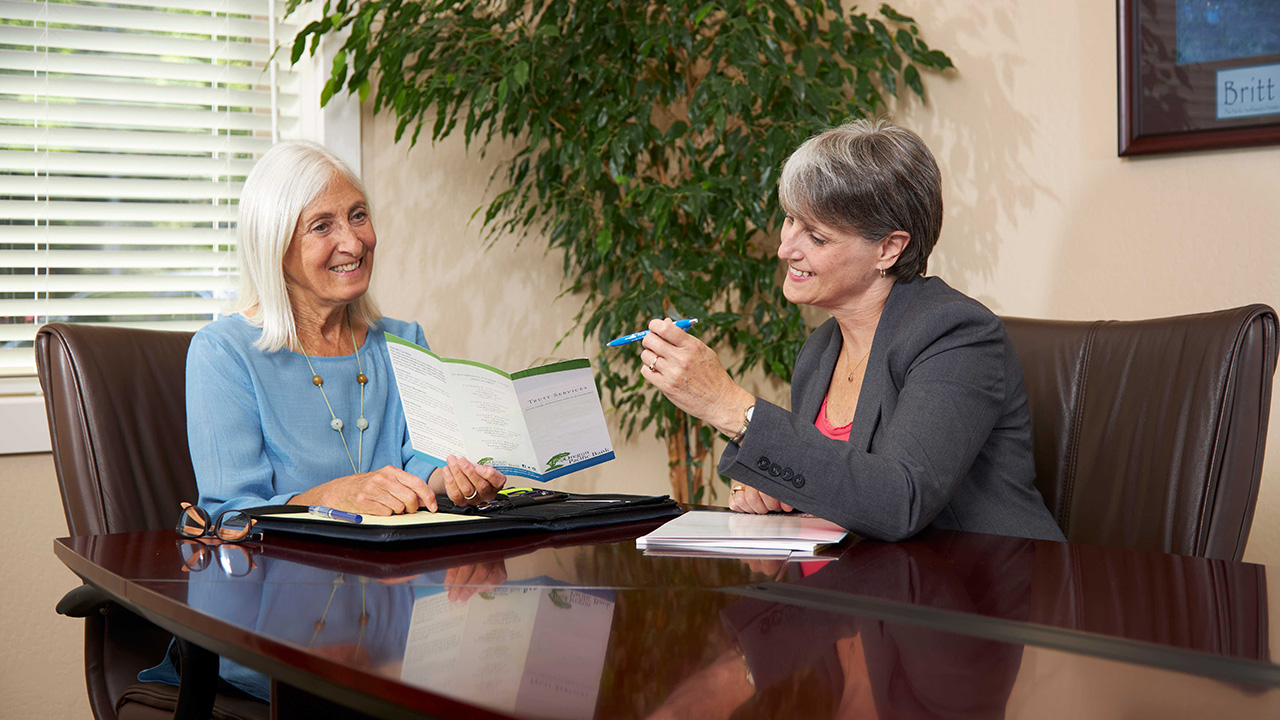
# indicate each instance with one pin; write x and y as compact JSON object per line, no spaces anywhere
{"x":467,"y":483}
{"x":688,"y":372}
{"x":746,"y":499}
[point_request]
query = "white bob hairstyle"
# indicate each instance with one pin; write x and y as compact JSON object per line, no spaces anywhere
{"x":288,"y":178}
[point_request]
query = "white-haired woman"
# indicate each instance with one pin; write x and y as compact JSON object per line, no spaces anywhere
{"x":292,"y":399}
{"x":908,"y":407}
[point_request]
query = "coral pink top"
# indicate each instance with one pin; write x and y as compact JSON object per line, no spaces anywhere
{"x":835,"y":433}
{"x":826,"y":428}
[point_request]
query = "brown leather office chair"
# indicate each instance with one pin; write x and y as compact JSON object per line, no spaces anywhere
{"x":1150,"y":434}
{"x":116,"y":401}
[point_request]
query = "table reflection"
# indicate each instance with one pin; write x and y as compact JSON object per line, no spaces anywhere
{"x":535,"y":647}
{"x":842,"y":665}
{"x":1175,"y":602}
{"x":1187,"y":603}
{"x":533,"y":651}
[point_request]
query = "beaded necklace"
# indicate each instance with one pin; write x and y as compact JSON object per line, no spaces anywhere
{"x":335,"y":423}
{"x":364,"y":613}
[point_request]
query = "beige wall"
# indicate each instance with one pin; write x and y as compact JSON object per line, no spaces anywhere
{"x":1043,"y":220}
{"x":42,"y":672}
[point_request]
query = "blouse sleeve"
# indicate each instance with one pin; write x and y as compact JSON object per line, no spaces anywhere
{"x":948,"y":404}
{"x":231,"y":463}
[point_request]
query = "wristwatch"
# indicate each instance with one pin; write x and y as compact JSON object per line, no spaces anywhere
{"x":746,"y":422}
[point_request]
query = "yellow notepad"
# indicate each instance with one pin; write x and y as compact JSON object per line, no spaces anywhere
{"x":422,"y":517}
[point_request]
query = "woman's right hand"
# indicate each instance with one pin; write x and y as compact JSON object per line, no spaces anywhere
{"x":464,"y":581}
{"x":387,"y":491}
{"x":746,"y":499}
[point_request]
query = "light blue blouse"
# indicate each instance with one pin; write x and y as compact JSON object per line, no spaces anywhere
{"x":259,"y":429}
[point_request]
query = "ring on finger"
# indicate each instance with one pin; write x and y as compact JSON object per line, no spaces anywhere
{"x":472,"y":496}
{"x":736,"y":488}
{"x":653,"y":366}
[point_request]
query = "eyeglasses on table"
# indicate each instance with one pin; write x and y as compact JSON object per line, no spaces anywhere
{"x":231,"y":526}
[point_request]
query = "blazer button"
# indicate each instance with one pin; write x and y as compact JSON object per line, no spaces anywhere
{"x":763,"y":463}
{"x":775,"y":469}
{"x":798,"y":481}
{"x":787,"y":474}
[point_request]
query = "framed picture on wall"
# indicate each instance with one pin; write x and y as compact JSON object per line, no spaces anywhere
{"x":1198,"y":74}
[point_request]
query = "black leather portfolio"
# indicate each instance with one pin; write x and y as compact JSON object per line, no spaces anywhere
{"x":571,"y":512}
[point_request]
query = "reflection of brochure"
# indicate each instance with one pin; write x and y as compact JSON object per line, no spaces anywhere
{"x":539,"y":423}
{"x":533,"y":651}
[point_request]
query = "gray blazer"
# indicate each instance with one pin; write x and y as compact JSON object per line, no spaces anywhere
{"x":941,"y":435}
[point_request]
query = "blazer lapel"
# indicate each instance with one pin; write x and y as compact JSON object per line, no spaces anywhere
{"x":877,"y":384}
{"x":814,"y":390}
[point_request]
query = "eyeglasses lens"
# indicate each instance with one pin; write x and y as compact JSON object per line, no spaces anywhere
{"x":233,"y":526}
{"x":235,"y":560}
{"x":195,"y":556}
{"x":193,"y":522}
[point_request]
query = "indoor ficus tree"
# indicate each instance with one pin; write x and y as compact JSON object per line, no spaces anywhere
{"x":649,"y":141}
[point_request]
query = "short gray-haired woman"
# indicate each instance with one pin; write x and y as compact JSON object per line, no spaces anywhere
{"x":908,"y":407}
{"x":292,"y":398}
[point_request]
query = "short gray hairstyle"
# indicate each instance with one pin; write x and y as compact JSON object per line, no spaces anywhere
{"x":285,"y":180}
{"x":869,"y":177}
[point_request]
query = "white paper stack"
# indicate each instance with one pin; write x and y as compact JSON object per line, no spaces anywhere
{"x":702,"y":532}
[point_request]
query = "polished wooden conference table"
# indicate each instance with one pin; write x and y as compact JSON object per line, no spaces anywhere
{"x":584,"y":625}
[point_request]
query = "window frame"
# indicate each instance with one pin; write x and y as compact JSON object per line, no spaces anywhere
{"x":23,"y":419}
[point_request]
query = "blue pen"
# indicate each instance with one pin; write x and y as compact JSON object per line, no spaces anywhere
{"x":328,"y":512}
{"x":628,"y":339}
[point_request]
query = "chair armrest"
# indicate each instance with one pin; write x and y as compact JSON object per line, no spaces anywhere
{"x":82,"y":602}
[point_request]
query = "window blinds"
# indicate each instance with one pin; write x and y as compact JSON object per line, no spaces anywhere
{"x":126,"y":132}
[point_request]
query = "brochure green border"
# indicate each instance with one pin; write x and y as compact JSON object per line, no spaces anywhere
{"x":575,"y":364}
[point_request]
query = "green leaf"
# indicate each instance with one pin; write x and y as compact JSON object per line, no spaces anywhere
{"x":912,"y":77}
{"x":299,"y":45}
{"x":702,"y":13}
{"x":905,"y":41}
{"x":327,"y":92}
{"x":604,"y":241}
{"x":881,"y":33}
{"x":893,"y":15}
{"x":809,"y":60}
{"x":939,"y":59}
{"x":339,"y":73}
{"x":520,"y":73}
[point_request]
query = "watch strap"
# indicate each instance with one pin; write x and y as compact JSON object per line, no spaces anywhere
{"x":746,"y":422}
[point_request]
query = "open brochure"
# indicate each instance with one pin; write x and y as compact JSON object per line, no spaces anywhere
{"x":539,"y":423}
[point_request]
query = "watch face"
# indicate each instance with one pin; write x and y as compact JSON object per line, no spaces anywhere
{"x":750,"y":412}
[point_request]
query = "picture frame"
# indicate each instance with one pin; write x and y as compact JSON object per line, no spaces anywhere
{"x":1197,"y":75}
